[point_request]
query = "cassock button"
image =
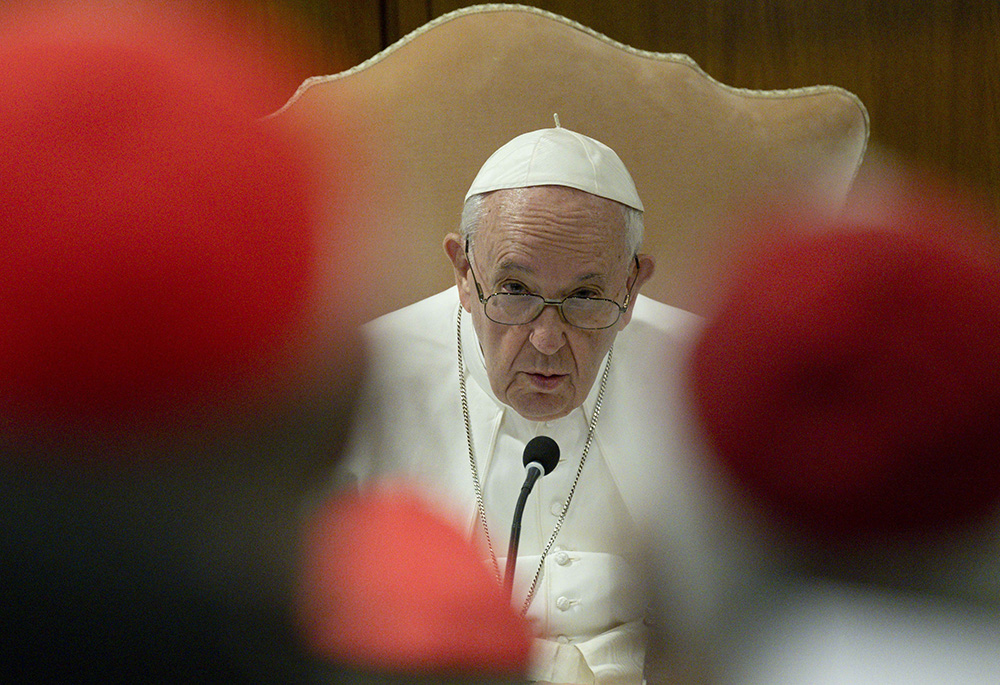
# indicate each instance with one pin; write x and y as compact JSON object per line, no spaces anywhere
{"x":562,"y":639}
{"x":563,"y":603}
{"x":562,"y":558}
{"x":556,"y":508}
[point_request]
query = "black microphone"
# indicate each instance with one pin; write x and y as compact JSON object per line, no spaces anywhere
{"x":541,"y":455}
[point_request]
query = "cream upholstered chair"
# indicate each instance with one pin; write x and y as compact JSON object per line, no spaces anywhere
{"x":438,"y":102}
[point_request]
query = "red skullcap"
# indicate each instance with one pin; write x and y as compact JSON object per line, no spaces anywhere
{"x":157,"y":241}
{"x":850,"y":379}
{"x":389,"y":586}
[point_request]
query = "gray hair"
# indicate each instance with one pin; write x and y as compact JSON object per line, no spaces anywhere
{"x":474,"y":210}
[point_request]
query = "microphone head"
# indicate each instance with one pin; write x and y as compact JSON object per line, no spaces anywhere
{"x":542,"y":450}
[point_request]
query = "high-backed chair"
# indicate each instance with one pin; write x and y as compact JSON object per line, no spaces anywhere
{"x":435,"y":105}
{"x":438,"y":102}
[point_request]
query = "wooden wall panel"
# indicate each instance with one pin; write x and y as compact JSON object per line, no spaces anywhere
{"x":323,"y":36}
{"x":413,"y":14}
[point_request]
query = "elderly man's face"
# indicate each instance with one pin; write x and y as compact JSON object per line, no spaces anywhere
{"x":554,"y":242}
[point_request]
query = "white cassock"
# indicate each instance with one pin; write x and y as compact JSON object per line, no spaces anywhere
{"x":591,"y":596}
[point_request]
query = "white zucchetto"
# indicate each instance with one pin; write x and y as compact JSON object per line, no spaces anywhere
{"x":560,"y":157}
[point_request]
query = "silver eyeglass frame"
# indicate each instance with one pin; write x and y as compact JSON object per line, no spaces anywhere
{"x":622,"y":308}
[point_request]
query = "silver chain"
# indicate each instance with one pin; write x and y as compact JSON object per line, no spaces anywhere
{"x":477,"y":487}
{"x":472,"y":455}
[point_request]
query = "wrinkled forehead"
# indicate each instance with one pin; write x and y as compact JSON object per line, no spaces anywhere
{"x":553,"y":222}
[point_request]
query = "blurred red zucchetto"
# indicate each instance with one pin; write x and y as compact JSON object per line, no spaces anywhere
{"x":848,"y":379}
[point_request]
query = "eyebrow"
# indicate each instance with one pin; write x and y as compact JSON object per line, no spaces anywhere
{"x":507,"y":266}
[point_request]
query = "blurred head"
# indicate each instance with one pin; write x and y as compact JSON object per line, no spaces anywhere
{"x":431,"y":608}
{"x":848,"y":380}
{"x":161,"y":251}
{"x":173,"y":373}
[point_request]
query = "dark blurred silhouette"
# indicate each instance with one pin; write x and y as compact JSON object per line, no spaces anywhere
{"x":172,"y":382}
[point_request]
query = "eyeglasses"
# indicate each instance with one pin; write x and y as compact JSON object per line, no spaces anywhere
{"x":515,"y":309}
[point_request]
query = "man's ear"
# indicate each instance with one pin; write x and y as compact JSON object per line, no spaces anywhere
{"x":647,"y":265}
{"x":454,"y":247}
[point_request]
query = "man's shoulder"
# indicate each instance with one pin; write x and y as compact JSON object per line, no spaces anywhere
{"x":657,"y":342}
{"x":653,"y":319}
{"x":427,"y":318}
{"x":415,"y":344}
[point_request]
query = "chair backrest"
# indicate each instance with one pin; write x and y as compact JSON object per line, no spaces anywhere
{"x":438,"y":102}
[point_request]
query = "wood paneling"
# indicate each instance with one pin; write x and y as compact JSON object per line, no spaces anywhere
{"x":318,"y":37}
{"x":413,"y":14}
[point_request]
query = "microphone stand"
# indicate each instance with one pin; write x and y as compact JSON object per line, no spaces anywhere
{"x":534,"y":473}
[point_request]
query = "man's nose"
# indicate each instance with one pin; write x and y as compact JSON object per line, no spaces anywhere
{"x":548,"y":331}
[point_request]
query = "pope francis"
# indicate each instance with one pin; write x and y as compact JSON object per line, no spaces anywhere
{"x":544,"y":333}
